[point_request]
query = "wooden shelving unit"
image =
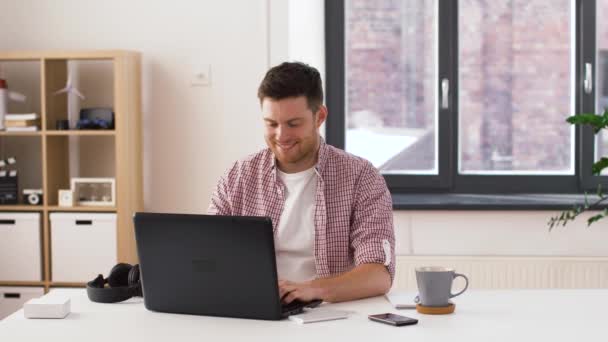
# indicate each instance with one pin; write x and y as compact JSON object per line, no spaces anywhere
{"x":124,"y":142}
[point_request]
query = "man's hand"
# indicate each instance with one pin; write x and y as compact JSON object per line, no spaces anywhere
{"x":363,"y":281}
{"x":305,"y":291}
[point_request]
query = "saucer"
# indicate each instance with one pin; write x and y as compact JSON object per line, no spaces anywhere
{"x":436,"y":310}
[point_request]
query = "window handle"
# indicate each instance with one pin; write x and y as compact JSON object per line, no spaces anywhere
{"x":445,"y":93}
{"x":588,"y":83}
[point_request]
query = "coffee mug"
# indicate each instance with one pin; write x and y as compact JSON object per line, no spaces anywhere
{"x":435,"y":285}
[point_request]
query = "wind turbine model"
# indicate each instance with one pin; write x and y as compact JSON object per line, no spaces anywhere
{"x":70,"y":89}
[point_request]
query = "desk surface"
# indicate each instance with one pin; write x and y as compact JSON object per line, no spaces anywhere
{"x":497,"y":315}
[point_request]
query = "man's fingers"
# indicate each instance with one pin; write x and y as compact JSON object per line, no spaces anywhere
{"x":293,"y":295}
{"x":285,"y":289}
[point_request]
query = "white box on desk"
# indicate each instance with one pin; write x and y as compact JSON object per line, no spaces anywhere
{"x":13,"y":298}
{"x":47,"y":307}
{"x":20,"y":249}
{"x":82,"y":245}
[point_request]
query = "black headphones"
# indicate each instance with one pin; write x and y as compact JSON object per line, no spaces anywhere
{"x":123,"y":282}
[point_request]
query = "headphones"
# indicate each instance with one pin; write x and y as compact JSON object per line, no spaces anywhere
{"x":123,"y":282}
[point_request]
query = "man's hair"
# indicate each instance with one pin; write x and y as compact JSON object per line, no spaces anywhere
{"x":292,"y":80}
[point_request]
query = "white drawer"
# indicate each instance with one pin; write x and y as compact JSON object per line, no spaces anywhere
{"x":13,"y":298}
{"x":82,"y":245}
{"x":20,"y":248}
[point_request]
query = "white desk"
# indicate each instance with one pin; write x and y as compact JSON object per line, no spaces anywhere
{"x":500,"y":315}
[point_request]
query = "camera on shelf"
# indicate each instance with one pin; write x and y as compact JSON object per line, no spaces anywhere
{"x":96,"y":118}
{"x":32,"y":196}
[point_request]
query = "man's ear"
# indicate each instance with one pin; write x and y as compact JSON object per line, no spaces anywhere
{"x":321,"y":116}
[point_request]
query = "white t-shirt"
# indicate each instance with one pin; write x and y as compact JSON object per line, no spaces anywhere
{"x":295,"y":239}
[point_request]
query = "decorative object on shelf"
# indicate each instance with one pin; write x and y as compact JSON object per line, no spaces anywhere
{"x":94,"y":191}
{"x":9,"y":182}
{"x":62,"y":125}
{"x":26,"y":122}
{"x":70,"y":89}
{"x":66,"y":198}
{"x":6,"y":95}
{"x":96,"y":118}
{"x":32,"y":196}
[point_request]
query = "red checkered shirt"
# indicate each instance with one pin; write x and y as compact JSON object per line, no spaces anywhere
{"x":353,"y":211}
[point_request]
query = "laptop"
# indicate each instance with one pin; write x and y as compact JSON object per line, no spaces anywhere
{"x":210,"y":265}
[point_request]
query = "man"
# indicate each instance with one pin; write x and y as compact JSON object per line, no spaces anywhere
{"x":331,"y":211}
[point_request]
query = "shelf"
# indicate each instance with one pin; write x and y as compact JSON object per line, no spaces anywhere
{"x":62,"y":284}
{"x":20,"y":134}
{"x":82,"y":133}
{"x":86,"y":209}
{"x":17,"y":207}
{"x":21,"y":283}
{"x":49,"y":158}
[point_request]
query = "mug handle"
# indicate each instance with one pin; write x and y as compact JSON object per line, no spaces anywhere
{"x":466,"y":286}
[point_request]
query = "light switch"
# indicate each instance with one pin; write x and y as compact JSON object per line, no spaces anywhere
{"x":201,"y":76}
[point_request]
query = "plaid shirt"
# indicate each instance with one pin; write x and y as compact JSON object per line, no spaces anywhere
{"x":353,"y":212}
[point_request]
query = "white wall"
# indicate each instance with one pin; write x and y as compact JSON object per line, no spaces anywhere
{"x":192,"y":134}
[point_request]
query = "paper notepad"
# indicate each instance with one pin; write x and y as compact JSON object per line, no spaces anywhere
{"x":402,"y":300}
{"x":319,"y":315}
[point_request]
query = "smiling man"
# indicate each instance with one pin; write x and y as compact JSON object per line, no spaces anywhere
{"x":331,"y":211}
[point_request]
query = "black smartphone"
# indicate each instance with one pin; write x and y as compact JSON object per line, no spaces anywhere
{"x":393,"y":319}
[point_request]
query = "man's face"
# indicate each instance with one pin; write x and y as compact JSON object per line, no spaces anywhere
{"x":292,"y":132}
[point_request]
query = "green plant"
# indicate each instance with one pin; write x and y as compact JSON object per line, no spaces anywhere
{"x":598,"y":122}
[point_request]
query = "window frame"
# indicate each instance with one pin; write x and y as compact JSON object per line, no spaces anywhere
{"x":449,"y":180}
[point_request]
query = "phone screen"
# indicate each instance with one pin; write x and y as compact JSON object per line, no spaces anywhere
{"x":393,"y":319}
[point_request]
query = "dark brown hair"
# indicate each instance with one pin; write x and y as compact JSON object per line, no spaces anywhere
{"x":292,"y":80}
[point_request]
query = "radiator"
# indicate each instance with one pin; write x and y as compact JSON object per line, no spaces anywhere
{"x":511,"y":272}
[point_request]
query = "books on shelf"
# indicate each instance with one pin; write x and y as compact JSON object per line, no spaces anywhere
{"x":22,"y":129}
{"x":23,"y":122}
{"x":21,"y":117}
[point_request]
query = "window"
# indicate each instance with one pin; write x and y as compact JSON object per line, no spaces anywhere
{"x":468,"y":96}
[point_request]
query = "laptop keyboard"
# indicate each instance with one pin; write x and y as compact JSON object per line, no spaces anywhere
{"x":297,"y":306}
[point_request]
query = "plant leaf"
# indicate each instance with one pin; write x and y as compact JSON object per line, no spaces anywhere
{"x":599,"y":166}
{"x":594,"y":218}
{"x":596,"y":121}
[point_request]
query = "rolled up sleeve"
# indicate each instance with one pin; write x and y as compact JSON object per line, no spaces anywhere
{"x":372,"y":231}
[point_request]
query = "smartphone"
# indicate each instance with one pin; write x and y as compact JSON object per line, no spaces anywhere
{"x":393,"y":319}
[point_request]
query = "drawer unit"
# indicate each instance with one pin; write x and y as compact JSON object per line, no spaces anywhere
{"x":20,"y":247}
{"x":13,"y":298}
{"x":82,"y":245}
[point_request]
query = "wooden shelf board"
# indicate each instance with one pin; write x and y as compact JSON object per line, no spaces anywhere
{"x":81,"y":133}
{"x":64,"y":284}
{"x":20,"y":134}
{"x":17,"y":207}
{"x":21,"y":283}
{"x":77,"y":208}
